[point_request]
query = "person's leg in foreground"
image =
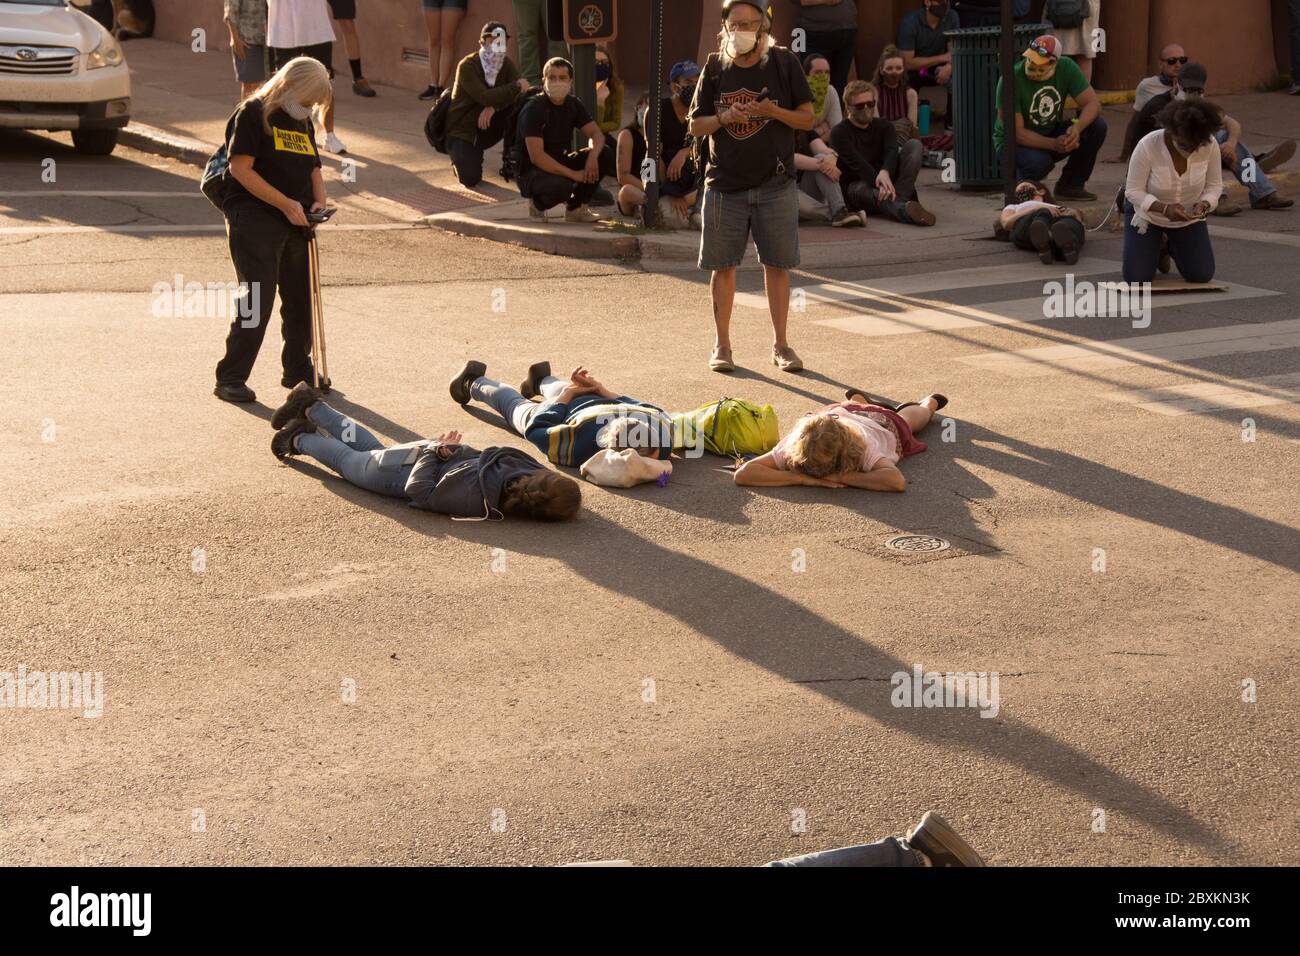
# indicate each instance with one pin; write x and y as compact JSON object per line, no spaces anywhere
{"x":1141,"y":250}
{"x":471,"y":382}
{"x":723,"y":235}
{"x":775,"y":225}
{"x":1192,"y":252}
{"x":932,"y":843}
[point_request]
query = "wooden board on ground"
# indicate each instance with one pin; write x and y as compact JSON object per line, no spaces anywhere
{"x":1165,"y":284}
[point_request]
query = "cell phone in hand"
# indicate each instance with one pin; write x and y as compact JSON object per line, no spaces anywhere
{"x":321,"y":215}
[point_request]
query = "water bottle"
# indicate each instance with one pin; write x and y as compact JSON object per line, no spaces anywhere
{"x":923,"y":119}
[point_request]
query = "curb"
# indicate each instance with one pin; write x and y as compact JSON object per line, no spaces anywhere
{"x":151,"y":139}
{"x":577,"y":245}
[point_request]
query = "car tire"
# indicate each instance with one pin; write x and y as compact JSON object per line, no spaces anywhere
{"x":94,"y":142}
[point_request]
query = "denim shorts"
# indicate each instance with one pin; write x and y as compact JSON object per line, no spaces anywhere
{"x":769,"y":213}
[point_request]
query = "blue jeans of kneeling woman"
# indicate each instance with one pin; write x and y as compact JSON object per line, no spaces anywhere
{"x":1189,"y":247}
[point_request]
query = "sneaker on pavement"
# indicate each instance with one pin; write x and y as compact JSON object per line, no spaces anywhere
{"x":431,"y":92}
{"x":786,"y":360}
{"x":581,"y":214}
{"x":236,"y":392}
{"x":1226,"y":207}
{"x":842,"y":218}
{"x":1074,"y":192}
{"x":1064,"y":240}
{"x":300,"y":399}
{"x":940,"y":842}
{"x":333,"y":144}
{"x":919,"y":215}
{"x":1040,"y":236}
{"x":1273,"y":201}
{"x":720,"y":360}
{"x":862,"y":217}
{"x":1271,"y":159}
{"x":361,"y":86}
{"x":282,"y":440}
{"x":531,"y":387}
{"x":460,"y":384}
{"x":1295,"y":89}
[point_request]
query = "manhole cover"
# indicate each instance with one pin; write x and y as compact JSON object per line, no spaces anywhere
{"x":917,"y":543}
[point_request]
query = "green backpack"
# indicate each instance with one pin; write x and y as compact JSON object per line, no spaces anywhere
{"x":731,"y":427}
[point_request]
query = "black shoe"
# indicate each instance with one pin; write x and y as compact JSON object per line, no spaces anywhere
{"x":601,"y":197}
{"x":940,"y":842}
{"x":459,"y":387}
{"x":295,"y":406}
{"x":509,"y":170}
{"x":940,"y":401}
{"x":918,"y":215}
{"x":871,"y":399}
{"x":1040,"y":236}
{"x":431,"y":92}
{"x":282,"y":440}
{"x":1066,"y":244}
{"x":236,"y":392}
{"x":531,"y":387}
{"x":1074,"y":192}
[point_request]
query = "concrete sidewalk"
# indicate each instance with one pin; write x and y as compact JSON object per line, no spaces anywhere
{"x":181,"y":101}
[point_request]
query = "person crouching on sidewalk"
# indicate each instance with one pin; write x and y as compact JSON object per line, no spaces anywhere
{"x":441,"y":474}
{"x":275,"y":180}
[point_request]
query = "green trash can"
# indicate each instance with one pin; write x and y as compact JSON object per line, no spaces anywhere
{"x":976,"y":71}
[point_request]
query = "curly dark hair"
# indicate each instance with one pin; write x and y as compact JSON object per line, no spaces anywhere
{"x":543,"y":496}
{"x":1193,"y":120}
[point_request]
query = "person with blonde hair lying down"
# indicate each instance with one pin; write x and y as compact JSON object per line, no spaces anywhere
{"x":853,"y":444}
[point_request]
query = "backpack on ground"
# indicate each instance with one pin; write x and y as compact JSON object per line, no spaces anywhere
{"x":1067,"y":14}
{"x":215,"y":181}
{"x":435,"y":124}
{"x":731,"y":427}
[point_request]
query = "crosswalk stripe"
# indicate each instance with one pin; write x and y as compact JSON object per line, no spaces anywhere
{"x":934,"y":281}
{"x":1256,"y":235}
{"x":1235,"y":339}
{"x":1209,"y":396}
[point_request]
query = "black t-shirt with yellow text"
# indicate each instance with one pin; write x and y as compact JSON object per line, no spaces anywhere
{"x":285,"y":158}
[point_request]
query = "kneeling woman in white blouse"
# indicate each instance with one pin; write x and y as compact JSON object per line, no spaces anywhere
{"x":1175,"y":179}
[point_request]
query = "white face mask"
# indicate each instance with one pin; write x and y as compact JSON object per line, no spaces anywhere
{"x":741,"y":43}
{"x":297,"y":110}
{"x":557,"y":90}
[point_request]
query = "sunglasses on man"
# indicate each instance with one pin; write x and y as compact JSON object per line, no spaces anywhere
{"x":1176,"y":59}
{"x":863,"y":105}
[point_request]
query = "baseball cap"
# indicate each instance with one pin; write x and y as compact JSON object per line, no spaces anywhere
{"x":1043,"y":50}
{"x":683,"y":68}
{"x":766,"y":8}
{"x":491,"y":27}
{"x":1193,"y":75}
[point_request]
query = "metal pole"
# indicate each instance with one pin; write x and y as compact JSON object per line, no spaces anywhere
{"x":584,"y":79}
{"x":1008,"y":100}
{"x":650,"y":212}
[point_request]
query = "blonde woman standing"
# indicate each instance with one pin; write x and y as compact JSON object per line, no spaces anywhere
{"x":275,"y":180}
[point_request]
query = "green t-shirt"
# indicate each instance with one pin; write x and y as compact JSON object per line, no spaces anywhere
{"x":1042,"y":102}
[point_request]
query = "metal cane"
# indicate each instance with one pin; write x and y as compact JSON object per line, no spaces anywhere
{"x":319,"y":362}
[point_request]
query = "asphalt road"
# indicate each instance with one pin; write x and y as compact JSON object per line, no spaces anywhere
{"x":655,"y":681}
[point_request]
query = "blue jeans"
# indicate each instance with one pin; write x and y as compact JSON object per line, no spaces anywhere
{"x":518,"y":411}
{"x":770,"y":213}
{"x":1038,"y":163}
{"x":1261,"y":187}
{"x":887,"y":852}
{"x":1189,"y":247}
{"x":354,"y":453}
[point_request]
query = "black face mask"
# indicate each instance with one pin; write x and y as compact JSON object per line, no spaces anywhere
{"x":939,"y":10}
{"x":686,"y":94}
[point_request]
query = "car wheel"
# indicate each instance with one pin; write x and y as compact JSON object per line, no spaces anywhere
{"x":94,"y":142}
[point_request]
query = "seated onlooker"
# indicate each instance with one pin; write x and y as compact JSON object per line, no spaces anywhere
{"x":1043,"y":81}
{"x":877,"y":177}
{"x":1174,"y":181}
{"x":574,"y":419}
{"x":630,"y":154}
{"x":1250,"y":169}
{"x":486,"y":87}
{"x":1035,"y":221}
{"x":609,"y":94}
{"x":1172,"y":59}
{"x":678,"y":180}
{"x":896,"y":101}
{"x":817,"y":169}
{"x":550,"y":170}
{"x":827,"y":113}
{"x":1077,"y":38}
{"x":924,"y":47}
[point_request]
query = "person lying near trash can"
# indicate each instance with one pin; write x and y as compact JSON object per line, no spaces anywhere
{"x":857,"y":443}
{"x":574,"y":419}
{"x":442,"y":474}
{"x":1036,"y":222}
